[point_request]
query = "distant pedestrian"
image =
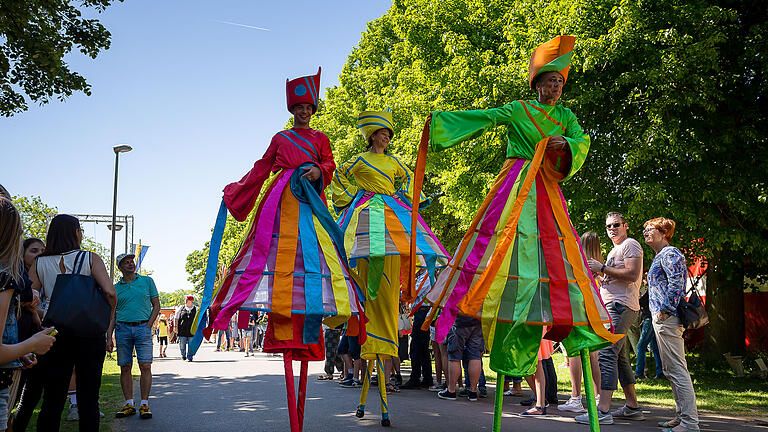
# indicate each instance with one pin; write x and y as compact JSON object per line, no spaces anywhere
{"x":185,"y":318}
{"x":138,"y":305}
{"x":162,"y":335}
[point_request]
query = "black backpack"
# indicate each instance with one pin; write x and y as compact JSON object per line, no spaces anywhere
{"x":186,"y":319}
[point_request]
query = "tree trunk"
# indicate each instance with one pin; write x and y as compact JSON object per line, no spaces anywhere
{"x":725,"y":303}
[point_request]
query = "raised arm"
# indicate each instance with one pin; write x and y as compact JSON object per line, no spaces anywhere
{"x":240,"y":197}
{"x":449,"y":128}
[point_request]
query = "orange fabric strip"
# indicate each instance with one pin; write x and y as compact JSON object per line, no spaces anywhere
{"x":508,"y":164}
{"x":400,"y":239}
{"x":409,"y":287}
{"x":282,"y":288}
{"x":574,"y":257}
{"x":474,"y":300}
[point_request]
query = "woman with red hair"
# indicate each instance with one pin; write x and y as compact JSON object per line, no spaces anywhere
{"x":666,"y":286}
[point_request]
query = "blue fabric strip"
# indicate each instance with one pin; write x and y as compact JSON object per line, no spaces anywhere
{"x":313,"y":288}
{"x":210,"y":277}
{"x":304,"y":191}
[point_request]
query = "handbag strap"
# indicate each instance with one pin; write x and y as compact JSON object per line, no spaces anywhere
{"x":77,"y":266}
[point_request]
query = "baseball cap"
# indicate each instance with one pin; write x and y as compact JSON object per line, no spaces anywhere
{"x":121,"y":257}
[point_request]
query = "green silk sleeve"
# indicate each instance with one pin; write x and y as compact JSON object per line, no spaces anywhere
{"x":452,"y":127}
{"x":578,"y":142}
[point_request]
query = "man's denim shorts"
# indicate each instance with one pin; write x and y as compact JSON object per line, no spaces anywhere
{"x":349,"y":345}
{"x":465,"y":343}
{"x":129,"y":337}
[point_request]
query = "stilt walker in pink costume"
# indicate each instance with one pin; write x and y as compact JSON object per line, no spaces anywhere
{"x":292,"y":263}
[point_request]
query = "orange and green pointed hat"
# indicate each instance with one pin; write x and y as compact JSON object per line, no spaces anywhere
{"x":553,"y":55}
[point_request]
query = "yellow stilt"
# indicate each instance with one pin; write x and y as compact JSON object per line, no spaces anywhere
{"x":383,"y":392}
{"x":364,"y":393}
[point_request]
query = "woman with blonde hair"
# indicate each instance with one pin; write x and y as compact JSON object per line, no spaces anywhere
{"x":590,"y":244}
{"x":13,"y":354}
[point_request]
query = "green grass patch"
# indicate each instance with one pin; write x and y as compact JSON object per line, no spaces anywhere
{"x":717,"y":389}
{"x":110,"y":398}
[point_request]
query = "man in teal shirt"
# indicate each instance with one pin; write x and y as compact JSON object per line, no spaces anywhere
{"x":137,"y":307}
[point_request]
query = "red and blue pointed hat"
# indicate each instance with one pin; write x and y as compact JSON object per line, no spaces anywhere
{"x":303,"y":90}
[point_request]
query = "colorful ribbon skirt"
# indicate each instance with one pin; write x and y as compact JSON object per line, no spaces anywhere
{"x":519,"y":267}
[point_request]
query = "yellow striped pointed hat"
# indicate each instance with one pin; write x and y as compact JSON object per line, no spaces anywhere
{"x":553,"y":55}
{"x":370,"y":121}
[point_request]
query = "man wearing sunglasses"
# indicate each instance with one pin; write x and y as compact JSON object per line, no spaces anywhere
{"x":620,"y":290}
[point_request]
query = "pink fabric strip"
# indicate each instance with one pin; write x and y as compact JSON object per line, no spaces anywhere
{"x":484,"y":234}
{"x":265,"y":223}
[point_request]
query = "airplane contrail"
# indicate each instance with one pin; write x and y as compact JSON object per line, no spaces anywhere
{"x":244,"y":25}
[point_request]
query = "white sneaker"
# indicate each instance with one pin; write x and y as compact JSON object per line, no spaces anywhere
{"x":573,"y":405}
{"x":436,"y":387}
{"x":73,"y":414}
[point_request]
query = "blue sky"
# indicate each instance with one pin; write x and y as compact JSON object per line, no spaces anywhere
{"x":195,"y":95}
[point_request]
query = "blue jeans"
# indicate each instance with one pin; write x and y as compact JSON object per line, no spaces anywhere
{"x":465,"y":365}
{"x":128,"y":337}
{"x":224,"y":335}
{"x":183,"y":342}
{"x":647,"y":337}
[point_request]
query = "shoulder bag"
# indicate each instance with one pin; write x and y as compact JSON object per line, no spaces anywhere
{"x":78,"y":306}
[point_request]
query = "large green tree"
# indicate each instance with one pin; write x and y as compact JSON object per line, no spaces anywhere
{"x":672,"y":94}
{"x":197,"y":260}
{"x":35,"y":217}
{"x":35,"y":36}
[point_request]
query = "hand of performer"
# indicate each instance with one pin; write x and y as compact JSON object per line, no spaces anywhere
{"x":557,"y":142}
{"x":595,"y":265}
{"x":311,"y":173}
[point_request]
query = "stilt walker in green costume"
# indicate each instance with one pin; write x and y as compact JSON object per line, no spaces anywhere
{"x":520,"y":265}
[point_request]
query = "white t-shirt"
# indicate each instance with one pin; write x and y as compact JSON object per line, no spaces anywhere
{"x":626,"y":293}
{"x":48,"y":269}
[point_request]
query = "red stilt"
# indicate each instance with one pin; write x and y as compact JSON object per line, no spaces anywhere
{"x":302,"y":393}
{"x":291,"y":391}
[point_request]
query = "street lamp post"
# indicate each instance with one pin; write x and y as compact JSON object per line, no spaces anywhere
{"x":122,"y":148}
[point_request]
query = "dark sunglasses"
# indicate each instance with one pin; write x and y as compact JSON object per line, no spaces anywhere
{"x":616,"y":225}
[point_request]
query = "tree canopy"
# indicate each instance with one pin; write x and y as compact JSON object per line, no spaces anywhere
{"x":35,"y":217}
{"x":35,"y":36}
{"x":672,"y":94}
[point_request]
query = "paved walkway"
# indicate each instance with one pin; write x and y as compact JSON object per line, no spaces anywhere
{"x":226,"y":392}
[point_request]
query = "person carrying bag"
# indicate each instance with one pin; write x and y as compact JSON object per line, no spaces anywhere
{"x":73,"y":283}
{"x":78,"y":305}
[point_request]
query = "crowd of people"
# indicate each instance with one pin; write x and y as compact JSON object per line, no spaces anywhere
{"x":456,"y":362}
{"x":520,"y":281}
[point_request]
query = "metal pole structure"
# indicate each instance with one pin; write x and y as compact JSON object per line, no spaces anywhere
{"x":122,"y":148}
{"x":114,"y":222}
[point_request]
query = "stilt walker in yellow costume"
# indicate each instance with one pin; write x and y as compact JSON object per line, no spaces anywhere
{"x":376,"y":221}
{"x":520,"y":265}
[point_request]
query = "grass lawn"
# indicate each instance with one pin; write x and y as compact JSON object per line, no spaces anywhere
{"x":110,"y":398}
{"x":717,"y":389}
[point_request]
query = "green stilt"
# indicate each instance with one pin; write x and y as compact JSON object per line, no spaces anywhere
{"x":586,"y":368}
{"x":497,"y":404}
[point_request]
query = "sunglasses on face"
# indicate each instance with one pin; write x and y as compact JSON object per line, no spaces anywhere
{"x":614,"y":225}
